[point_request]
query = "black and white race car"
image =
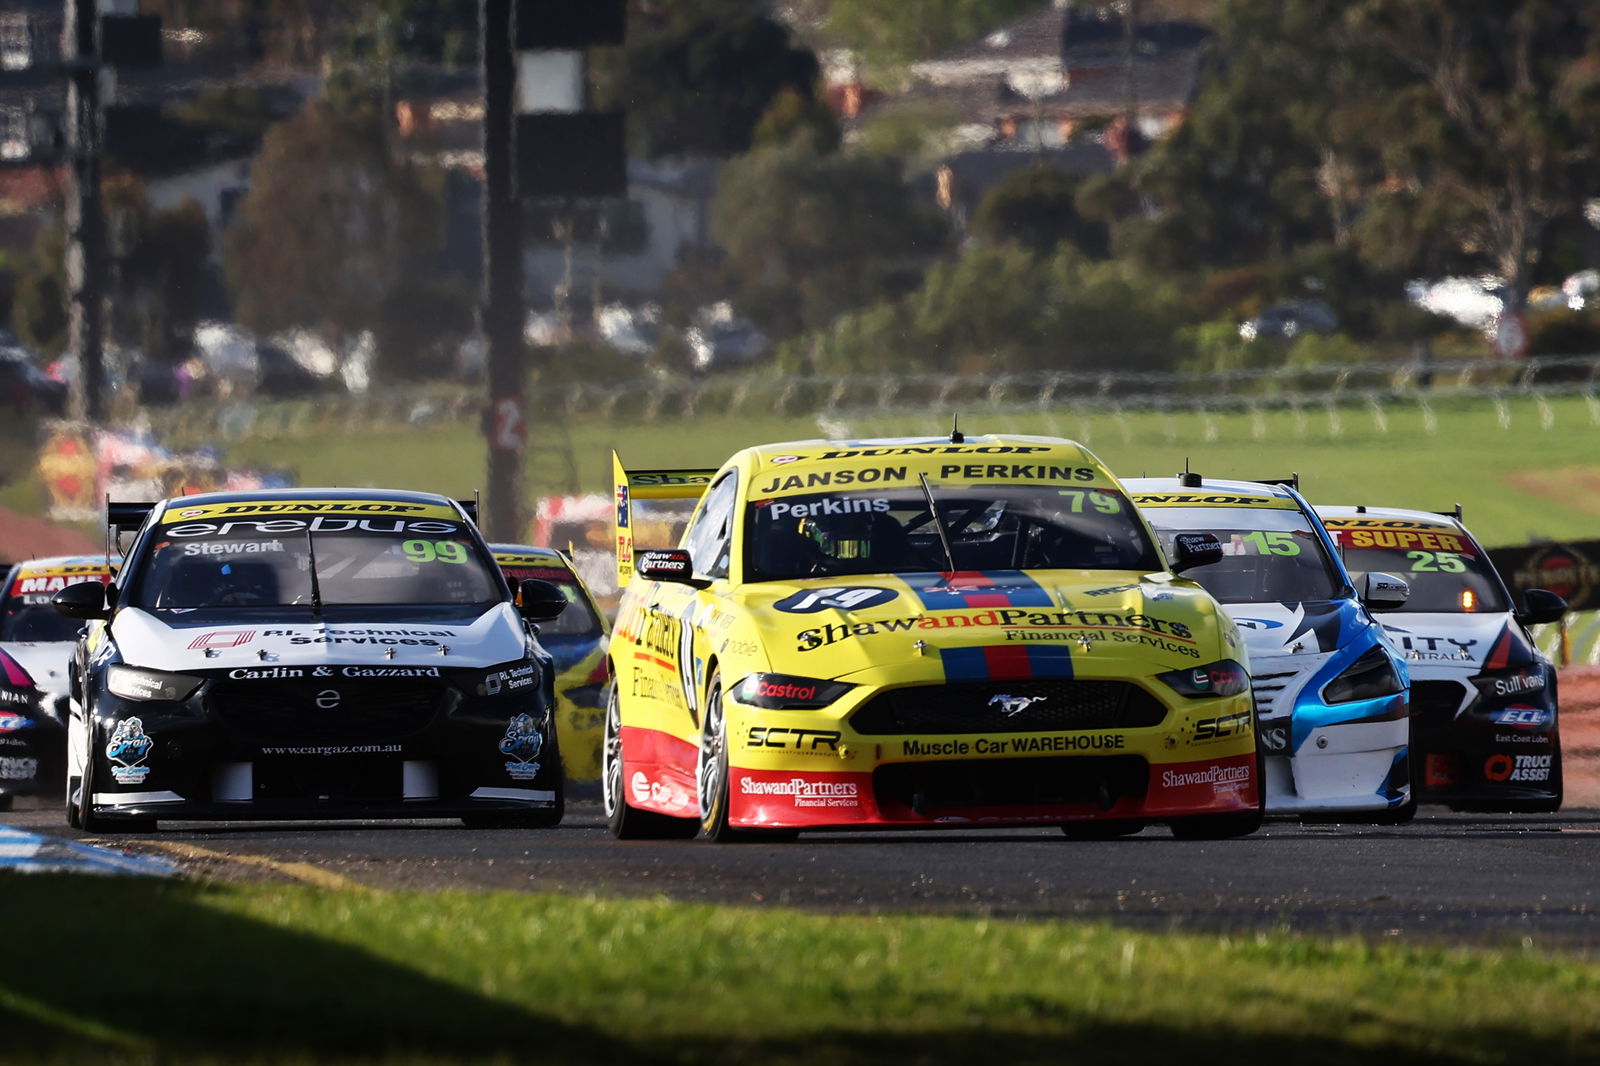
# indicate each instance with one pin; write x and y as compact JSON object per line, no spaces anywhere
{"x":309,"y":653}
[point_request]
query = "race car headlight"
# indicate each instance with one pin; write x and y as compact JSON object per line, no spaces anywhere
{"x":137,"y":683}
{"x":1221,"y":678}
{"x":786,"y":692}
{"x":1369,"y":677}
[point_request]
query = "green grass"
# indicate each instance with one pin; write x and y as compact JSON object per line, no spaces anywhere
{"x":1515,"y":465}
{"x":133,"y":971}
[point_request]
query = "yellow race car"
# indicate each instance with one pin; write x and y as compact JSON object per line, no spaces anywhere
{"x":931,"y":632}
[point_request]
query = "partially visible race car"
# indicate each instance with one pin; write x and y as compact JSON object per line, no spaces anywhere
{"x":309,"y":653}
{"x":925,"y":632}
{"x":1330,"y":690}
{"x":35,"y":650}
{"x":576,"y":640}
{"x":1485,"y":725}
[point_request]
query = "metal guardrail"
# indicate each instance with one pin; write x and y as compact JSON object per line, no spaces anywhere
{"x":1373,"y":388}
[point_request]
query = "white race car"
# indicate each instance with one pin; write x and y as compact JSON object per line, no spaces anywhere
{"x":1484,"y":719}
{"x":1330,"y":689}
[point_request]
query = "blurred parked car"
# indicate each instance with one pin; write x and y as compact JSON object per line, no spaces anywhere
{"x":1290,"y":319}
{"x":1474,"y":302}
{"x":24,"y":386}
{"x":630,"y":330}
{"x":720,"y":339}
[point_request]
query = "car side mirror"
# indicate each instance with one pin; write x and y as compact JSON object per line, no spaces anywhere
{"x":667,"y":564}
{"x":1384,"y":592}
{"x":1190,"y":550}
{"x":539,"y":601}
{"x":85,"y":599}
{"x":1540,"y":606}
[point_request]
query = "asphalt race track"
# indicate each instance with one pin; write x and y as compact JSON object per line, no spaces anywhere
{"x":1445,"y":878}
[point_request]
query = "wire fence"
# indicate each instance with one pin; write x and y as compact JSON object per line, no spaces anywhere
{"x":1331,"y":400}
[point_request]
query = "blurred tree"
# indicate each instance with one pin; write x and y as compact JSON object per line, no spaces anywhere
{"x":1036,"y":207}
{"x":893,"y":32}
{"x":160,"y":270}
{"x":332,"y":226}
{"x":696,"y":76}
{"x":814,"y":235}
{"x":39,"y":308}
{"x":421,"y":323}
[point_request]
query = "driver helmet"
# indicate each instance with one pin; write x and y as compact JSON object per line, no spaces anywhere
{"x":842,"y":536}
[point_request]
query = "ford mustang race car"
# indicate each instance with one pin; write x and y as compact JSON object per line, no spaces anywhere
{"x":576,"y":641}
{"x":961,"y":631}
{"x":35,"y":648}
{"x":1484,"y":723}
{"x":1330,"y":690}
{"x":309,"y":653}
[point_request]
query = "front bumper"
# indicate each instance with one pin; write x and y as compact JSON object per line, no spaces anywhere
{"x":1484,"y":754}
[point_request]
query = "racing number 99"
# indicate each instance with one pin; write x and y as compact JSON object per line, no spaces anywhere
{"x":428,"y":551}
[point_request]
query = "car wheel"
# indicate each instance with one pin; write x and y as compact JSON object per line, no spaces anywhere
{"x":1217,"y":826}
{"x":712,"y":775}
{"x":5,"y":801}
{"x":625,"y":822}
{"x":74,"y":818}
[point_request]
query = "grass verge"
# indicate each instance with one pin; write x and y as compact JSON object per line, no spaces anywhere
{"x":132,"y":971}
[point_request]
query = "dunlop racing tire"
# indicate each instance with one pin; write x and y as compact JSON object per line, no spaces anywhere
{"x":713,"y":778}
{"x":625,"y":822}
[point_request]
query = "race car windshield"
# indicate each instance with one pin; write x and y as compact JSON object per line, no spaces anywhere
{"x":352,"y":567}
{"x":1010,"y":527}
{"x":1275,"y":558}
{"x":31,"y":617}
{"x":1450,"y":576}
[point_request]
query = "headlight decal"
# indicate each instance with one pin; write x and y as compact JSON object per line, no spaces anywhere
{"x":137,"y":683}
{"x":787,"y":692}
{"x":1225,"y":677}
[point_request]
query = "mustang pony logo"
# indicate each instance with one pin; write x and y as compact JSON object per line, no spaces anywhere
{"x":1011,"y":706}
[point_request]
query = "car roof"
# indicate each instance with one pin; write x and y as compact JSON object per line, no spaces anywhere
{"x":1178,"y":491}
{"x":1346,"y":516}
{"x":310,"y":494}
{"x":56,"y":562}
{"x":504,"y":553}
{"x":985,"y":443}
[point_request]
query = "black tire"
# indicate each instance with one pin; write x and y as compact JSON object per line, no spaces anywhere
{"x":625,"y":822}
{"x":6,"y":801}
{"x":1109,"y":829}
{"x":712,"y":777}
{"x":74,"y":819}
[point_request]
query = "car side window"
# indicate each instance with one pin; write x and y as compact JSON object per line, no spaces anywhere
{"x":709,"y":538}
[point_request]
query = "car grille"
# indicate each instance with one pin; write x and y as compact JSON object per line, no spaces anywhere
{"x":1268,"y":689}
{"x":373,"y":710}
{"x":928,"y":788}
{"x":1033,"y":706}
{"x":1434,"y":703}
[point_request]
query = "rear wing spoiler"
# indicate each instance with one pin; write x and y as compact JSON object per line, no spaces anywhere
{"x":655,"y":484}
{"x":125,"y":516}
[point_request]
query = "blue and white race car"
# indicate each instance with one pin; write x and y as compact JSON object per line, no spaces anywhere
{"x":1484,"y":713}
{"x":1331,"y":691}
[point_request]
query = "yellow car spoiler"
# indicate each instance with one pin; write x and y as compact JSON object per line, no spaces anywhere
{"x":630,"y":485}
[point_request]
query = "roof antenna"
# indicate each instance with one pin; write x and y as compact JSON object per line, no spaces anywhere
{"x":955,"y":430}
{"x":1188,"y":478}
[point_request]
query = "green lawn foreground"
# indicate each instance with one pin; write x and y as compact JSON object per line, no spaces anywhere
{"x":141,"y":971}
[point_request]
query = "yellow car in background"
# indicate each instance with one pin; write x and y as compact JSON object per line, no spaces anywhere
{"x":934,"y":632}
{"x":576,"y":640}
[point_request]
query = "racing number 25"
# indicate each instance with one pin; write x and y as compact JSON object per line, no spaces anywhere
{"x":1443,"y":562}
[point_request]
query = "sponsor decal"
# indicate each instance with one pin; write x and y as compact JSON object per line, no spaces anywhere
{"x":329,"y":699}
{"x":937,"y":449}
{"x":805,"y":792}
{"x":1534,"y":769}
{"x":1275,"y":738}
{"x":821,"y":741}
{"x":1402,"y":539}
{"x":1497,"y":767}
{"x":233,"y":547}
{"x":833,"y":478}
{"x":223,"y":639}
{"x":523,"y":742}
{"x":1123,"y":628}
{"x":1257,"y":623}
{"x":237,"y":508}
{"x":11,"y":723}
{"x":1434,"y":649}
{"x":320,"y":524}
{"x":1222,"y":726}
{"x":1210,"y":499}
{"x":1515,"y":685}
{"x":624,"y":508}
{"x":127,"y":749}
{"x":1440,"y":770}
{"x":977,"y":588}
{"x":338,"y":749}
{"x":1028,"y":745}
{"x":18,"y":769}
{"x":1016,"y":472}
{"x":402,"y":637}
{"x":513,"y":679}
{"x":278,"y":673}
{"x":14,"y":696}
{"x":659,"y":794}
{"x":1011,"y":706}
{"x":49,"y":583}
{"x":835,"y":598}
{"x":1011,"y":662}
{"x":667,"y":479}
{"x":1522,"y":717}
{"x":828,"y":506}
{"x":667,"y":559}
{"x":1220,"y":778}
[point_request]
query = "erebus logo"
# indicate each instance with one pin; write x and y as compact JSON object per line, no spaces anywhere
{"x":1011,"y":706}
{"x":328,"y":699}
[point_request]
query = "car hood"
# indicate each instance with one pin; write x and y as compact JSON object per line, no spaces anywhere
{"x":45,"y":661}
{"x":1457,"y":643}
{"x":981,"y":624}
{"x":1312,"y":627}
{"x":496,"y":636}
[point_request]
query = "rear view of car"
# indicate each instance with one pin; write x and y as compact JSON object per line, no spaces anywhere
{"x":1484,"y":723}
{"x":35,"y":651}
{"x":1330,"y":690}
{"x":576,"y":641}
